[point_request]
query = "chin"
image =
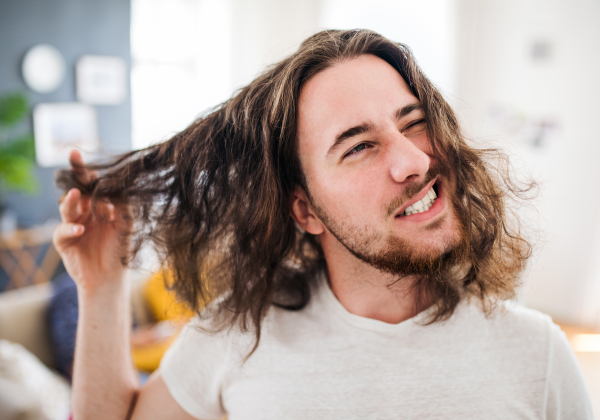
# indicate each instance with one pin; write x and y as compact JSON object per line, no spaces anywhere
{"x":437,"y":239}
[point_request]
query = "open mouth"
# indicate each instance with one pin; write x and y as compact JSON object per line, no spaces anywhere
{"x":424,"y":204}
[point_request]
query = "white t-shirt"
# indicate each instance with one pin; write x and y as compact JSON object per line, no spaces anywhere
{"x":324,"y":363}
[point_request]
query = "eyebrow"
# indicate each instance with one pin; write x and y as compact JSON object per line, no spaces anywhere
{"x":404,"y":111}
{"x":341,"y":138}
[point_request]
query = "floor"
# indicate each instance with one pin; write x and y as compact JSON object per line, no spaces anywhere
{"x":586,"y":344}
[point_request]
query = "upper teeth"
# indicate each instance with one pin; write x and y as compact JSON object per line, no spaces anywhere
{"x":422,"y":205}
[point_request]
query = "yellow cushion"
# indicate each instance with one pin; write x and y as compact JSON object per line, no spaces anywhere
{"x":164,"y":306}
{"x":148,"y":358}
{"x":163,"y":302}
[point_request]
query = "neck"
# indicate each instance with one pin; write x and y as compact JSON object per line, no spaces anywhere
{"x":366,"y":291}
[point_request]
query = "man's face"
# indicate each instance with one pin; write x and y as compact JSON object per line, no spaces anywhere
{"x":366,"y":156}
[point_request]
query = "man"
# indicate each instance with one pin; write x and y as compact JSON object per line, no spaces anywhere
{"x":361,"y":252}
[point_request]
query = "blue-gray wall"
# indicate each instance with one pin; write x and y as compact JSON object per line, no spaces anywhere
{"x":75,"y":28}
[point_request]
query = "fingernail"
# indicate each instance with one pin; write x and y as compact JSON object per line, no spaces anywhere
{"x":76,"y":229}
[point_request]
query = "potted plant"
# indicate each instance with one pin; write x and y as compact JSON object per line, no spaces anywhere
{"x":17,"y":153}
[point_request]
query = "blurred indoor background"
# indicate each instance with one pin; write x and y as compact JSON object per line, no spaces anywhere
{"x":523,"y":75}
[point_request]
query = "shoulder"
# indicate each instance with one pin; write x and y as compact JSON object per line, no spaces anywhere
{"x":224,"y":342}
{"x":521,"y":320}
{"x":526,"y":348}
{"x":508,"y":333}
{"x":510,"y":319}
{"x":515,"y":311}
{"x":193,"y":368}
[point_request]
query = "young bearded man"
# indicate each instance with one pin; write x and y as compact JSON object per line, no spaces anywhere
{"x":360,"y":252}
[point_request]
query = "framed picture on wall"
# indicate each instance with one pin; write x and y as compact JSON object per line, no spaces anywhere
{"x":101,"y":80}
{"x":60,"y":127}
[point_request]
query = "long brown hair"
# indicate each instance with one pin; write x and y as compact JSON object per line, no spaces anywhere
{"x":214,"y":199}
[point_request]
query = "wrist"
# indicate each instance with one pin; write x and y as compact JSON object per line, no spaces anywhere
{"x":95,"y":289}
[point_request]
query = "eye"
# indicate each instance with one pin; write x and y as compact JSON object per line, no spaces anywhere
{"x":357,"y":149}
{"x":415,"y":126}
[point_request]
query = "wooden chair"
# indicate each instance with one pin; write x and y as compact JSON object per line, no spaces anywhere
{"x":28,"y":256}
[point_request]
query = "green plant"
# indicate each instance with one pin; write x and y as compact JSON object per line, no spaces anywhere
{"x":17,"y":153}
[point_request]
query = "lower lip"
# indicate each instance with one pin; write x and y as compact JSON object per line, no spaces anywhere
{"x":433,"y":211}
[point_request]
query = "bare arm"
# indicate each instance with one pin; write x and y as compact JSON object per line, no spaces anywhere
{"x":104,"y":380}
{"x":155,"y":402}
{"x":105,"y":383}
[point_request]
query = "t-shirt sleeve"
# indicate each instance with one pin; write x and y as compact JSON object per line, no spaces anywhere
{"x":193,"y":370}
{"x":567,"y":397}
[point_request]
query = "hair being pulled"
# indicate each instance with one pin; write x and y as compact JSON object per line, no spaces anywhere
{"x":214,"y":200}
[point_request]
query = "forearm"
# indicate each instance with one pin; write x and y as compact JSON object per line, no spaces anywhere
{"x":104,"y":380}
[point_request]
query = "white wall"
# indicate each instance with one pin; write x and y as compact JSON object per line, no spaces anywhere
{"x":182,"y":64}
{"x":191,"y":55}
{"x":426,"y":26}
{"x":266,"y":31}
{"x":497,"y":70}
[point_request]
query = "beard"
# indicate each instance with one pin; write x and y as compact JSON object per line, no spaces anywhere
{"x":397,"y":255}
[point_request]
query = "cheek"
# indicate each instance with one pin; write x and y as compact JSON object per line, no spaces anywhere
{"x":423,"y":143}
{"x":353,"y":196}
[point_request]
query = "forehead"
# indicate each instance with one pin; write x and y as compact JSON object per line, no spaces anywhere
{"x":355,"y":91}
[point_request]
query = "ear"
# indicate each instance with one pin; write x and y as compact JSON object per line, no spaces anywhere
{"x":302,"y":212}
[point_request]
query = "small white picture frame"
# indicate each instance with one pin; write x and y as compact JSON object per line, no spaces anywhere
{"x":101,"y":80}
{"x":60,"y":127}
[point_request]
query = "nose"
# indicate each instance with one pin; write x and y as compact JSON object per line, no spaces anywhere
{"x":408,"y":161}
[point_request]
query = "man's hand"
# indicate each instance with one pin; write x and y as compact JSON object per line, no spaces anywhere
{"x":90,"y":241}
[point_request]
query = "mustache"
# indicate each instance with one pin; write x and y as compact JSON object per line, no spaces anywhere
{"x":412,"y":190}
